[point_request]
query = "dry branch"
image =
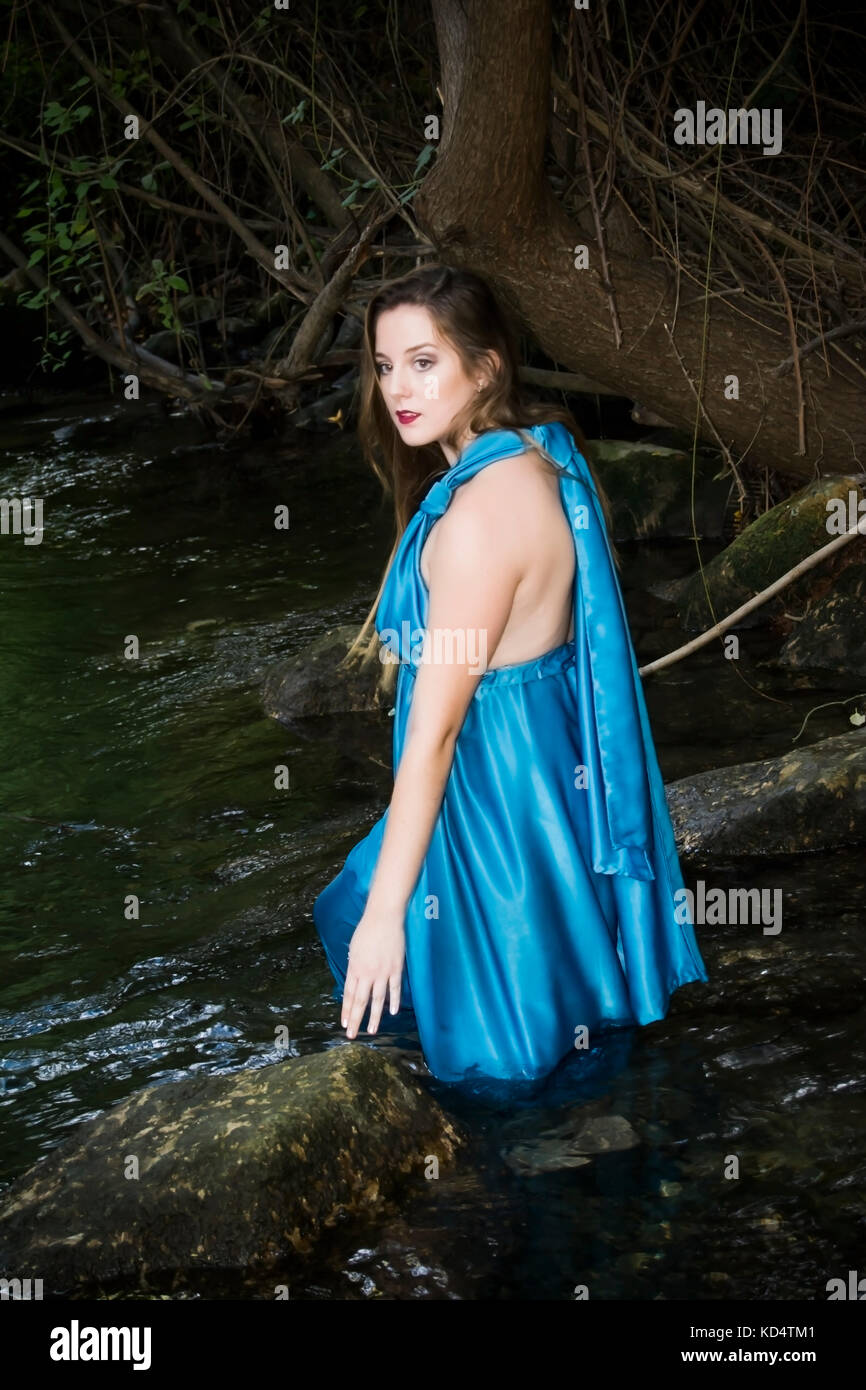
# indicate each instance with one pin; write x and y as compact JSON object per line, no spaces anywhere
{"x":758,"y":601}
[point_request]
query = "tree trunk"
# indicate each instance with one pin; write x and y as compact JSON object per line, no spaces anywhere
{"x":488,"y":207}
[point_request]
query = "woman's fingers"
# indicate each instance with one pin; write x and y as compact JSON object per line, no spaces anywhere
{"x":358,"y":1006}
{"x":376,"y":1006}
{"x":358,"y":991}
{"x":348,"y":997}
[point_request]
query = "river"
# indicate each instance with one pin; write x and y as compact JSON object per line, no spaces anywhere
{"x":154,"y":777}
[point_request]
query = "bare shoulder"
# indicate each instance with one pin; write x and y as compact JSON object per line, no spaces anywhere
{"x":487,"y":517}
{"x":507,"y":486}
{"x":501,"y":510}
{"x":503,"y":517}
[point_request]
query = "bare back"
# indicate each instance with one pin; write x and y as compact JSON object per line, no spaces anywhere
{"x":521,"y":497}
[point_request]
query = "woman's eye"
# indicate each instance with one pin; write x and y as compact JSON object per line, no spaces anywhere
{"x":423,"y":363}
{"x":380,"y":367}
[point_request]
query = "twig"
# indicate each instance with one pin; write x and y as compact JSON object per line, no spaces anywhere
{"x":234,"y":97}
{"x":852,"y":268}
{"x":718,"y":438}
{"x":328,"y":301}
{"x":843,"y":330}
{"x":293,"y":283}
{"x":792,"y":327}
{"x":759,"y":599}
{"x":154,"y":371}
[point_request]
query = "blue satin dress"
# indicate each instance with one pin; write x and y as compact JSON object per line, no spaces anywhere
{"x":547,"y":902}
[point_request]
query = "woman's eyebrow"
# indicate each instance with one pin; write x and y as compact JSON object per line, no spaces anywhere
{"x":408,"y":350}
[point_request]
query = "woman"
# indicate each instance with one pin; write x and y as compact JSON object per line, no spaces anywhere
{"x":520,"y":892}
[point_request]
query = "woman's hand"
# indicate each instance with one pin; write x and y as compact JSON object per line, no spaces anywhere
{"x":376,"y":954}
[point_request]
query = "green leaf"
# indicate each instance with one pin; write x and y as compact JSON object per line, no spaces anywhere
{"x":424,"y":157}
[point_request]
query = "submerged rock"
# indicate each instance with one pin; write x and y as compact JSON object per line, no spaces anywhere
{"x":222,"y":1172}
{"x":812,"y":798}
{"x":570,"y":1144}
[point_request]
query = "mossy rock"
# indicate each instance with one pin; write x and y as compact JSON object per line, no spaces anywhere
{"x":650,"y":490}
{"x":237,"y":1172}
{"x":773,"y":544}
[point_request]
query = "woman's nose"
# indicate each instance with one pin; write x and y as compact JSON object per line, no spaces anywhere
{"x":396,"y":384}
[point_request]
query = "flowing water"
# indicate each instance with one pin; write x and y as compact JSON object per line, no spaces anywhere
{"x":154,"y":776}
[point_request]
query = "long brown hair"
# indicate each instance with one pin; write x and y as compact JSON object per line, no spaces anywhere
{"x":468,"y":316}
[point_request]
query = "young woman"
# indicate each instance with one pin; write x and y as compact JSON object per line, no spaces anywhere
{"x":522,"y":891}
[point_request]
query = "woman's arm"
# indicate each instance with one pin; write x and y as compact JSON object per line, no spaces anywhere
{"x":475,"y":568}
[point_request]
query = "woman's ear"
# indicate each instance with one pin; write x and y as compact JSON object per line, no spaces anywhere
{"x":493,"y":361}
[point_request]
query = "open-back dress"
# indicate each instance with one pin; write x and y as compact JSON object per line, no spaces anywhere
{"x":550,"y":903}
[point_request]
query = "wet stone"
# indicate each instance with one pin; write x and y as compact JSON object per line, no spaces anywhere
{"x":240,"y":1171}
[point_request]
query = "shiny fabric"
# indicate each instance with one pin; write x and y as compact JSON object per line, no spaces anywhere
{"x":546,"y":901}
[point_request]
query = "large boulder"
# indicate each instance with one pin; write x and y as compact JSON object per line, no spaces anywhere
{"x":812,"y":798}
{"x":650,"y":490}
{"x":222,"y":1172}
{"x":773,"y":544}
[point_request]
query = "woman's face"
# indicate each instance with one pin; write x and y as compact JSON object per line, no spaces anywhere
{"x":421,"y":377}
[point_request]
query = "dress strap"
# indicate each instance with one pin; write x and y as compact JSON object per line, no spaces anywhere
{"x":609,"y":691}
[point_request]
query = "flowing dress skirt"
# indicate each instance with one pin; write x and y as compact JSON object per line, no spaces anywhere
{"x":517,"y":951}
